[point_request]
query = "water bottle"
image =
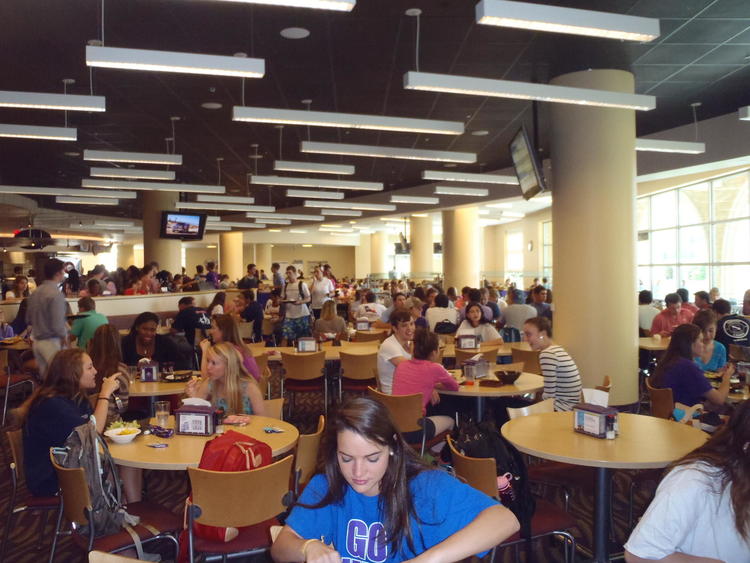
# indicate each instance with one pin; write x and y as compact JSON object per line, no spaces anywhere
{"x":505,"y":488}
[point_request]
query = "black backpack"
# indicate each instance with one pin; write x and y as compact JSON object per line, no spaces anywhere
{"x":445,"y":327}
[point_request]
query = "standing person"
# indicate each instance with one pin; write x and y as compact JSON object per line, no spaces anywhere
{"x":250,"y":281}
{"x":328,"y":272}
{"x":296,"y":313}
{"x":321,"y":290}
{"x":272,"y":311}
{"x":714,"y":355}
{"x":276,"y":276}
{"x":671,"y":317}
{"x":212,"y":276}
{"x":377,"y":501}
{"x":46,"y":314}
{"x":562,"y":382}
{"x":477,"y":324}
{"x":83,"y":329}
{"x":646,"y":311}
{"x":732,"y":329}
{"x":395,"y":349}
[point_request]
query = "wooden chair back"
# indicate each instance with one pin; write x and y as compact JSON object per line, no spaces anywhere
{"x":241,"y":498}
{"x":405,"y":410}
{"x":75,"y":492}
{"x":303,"y":367}
{"x":530,"y":359}
{"x":478,"y":472}
{"x":662,"y":401}
{"x":606,"y":384}
{"x":15,"y":441}
{"x":246,"y":330}
{"x":739,"y":353}
{"x":274,"y":408}
{"x":256,"y":347}
{"x":359,"y":366}
{"x":488,"y":354}
{"x":307,"y":453}
{"x":362,"y":336}
{"x":261,"y":359}
{"x":548,"y":405}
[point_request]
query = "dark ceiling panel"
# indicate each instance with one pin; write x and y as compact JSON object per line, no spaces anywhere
{"x":709,"y":31}
{"x":673,"y":54}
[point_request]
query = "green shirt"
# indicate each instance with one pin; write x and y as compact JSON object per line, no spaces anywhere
{"x":83,"y":329}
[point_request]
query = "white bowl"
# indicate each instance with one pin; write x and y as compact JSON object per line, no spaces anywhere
{"x":118,"y":438}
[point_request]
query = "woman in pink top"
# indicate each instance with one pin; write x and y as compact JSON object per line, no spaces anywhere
{"x":224,"y":329}
{"x":423,"y":374}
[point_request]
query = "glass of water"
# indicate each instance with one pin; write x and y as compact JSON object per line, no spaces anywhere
{"x":161,"y":410}
{"x":132,"y":374}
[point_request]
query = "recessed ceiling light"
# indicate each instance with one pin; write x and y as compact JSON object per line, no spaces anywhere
{"x":295,"y":33}
{"x":449,"y":164}
{"x":480,"y":133}
{"x":211,"y":105}
{"x":72,"y":153}
{"x":274,"y":230}
{"x":307,"y":245}
{"x":211,"y":246}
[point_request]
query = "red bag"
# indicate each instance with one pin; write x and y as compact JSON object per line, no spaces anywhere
{"x":231,"y":451}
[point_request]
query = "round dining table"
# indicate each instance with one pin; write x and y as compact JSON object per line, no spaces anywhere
{"x":185,"y":451}
{"x":644,"y":442}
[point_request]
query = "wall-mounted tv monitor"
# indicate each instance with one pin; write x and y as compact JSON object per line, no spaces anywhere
{"x":183,"y":226}
{"x":527,"y":166}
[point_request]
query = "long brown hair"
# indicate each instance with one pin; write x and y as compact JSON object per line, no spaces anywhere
{"x":62,"y":380}
{"x":105,"y":351}
{"x":728,"y":451}
{"x":230,"y":331}
{"x":371,"y":420}
{"x":680,"y":347}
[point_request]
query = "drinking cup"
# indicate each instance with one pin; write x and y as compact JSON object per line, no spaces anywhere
{"x":161,"y":410}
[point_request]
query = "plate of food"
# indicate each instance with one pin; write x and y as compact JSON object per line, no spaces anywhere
{"x":122,"y":432}
{"x":179,"y":376}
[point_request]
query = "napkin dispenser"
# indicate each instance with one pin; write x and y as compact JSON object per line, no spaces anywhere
{"x":595,"y":420}
{"x":476,"y":368}
{"x":148,"y":370}
{"x":194,"y":420}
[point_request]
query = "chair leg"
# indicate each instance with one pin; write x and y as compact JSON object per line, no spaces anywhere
{"x":5,"y":399}
{"x":57,"y":532}
{"x":8,"y":526}
{"x":42,"y":526}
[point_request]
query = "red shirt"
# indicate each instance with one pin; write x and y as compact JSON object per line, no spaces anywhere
{"x":690,"y":307}
{"x":665,"y":322}
{"x":421,"y":376}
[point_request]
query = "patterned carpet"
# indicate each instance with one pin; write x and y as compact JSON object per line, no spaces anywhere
{"x":170,"y":488}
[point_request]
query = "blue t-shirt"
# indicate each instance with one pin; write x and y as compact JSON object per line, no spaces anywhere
{"x":687,"y":382}
{"x":718,"y":358}
{"x":443,"y":504}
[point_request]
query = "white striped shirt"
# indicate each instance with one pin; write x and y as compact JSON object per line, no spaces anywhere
{"x":562,"y":381}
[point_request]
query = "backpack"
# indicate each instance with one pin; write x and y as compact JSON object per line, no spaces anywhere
{"x":445,"y":327}
{"x":231,"y":451}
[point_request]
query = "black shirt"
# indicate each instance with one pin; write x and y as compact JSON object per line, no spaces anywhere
{"x":254,"y":312}
{"x":248,"y":282}
{"x":189,"y":320}
{"x":733,"y":329}
{"x":165,"y":350}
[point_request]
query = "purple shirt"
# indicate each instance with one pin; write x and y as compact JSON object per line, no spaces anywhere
{"x":687,"y":382}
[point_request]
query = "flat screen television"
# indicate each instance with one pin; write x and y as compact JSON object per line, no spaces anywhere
{"x":527,"y":166}
{"x":183,"y":226}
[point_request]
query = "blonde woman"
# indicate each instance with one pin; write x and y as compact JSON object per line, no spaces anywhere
{"x":227,"y":384}
{"x":329,"y":322}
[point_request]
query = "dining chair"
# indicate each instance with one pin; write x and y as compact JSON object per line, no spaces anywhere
{"x":662,"y":401}
{"x":20,"y":502}
{"x":362,"y":336}
{"x":306,"y":458}
{"x":548,"y":519}
{"x":247,"y":500}
{"x":358,"y":372}
{"x":156,"y":523}
{"x":304,"y":373}
{"x":489,"y":355}
{"x":530,"y":359}
{"x":9,"y":382}
{"x":103,"y":557}
{"x":548,"y":405}
{"x":246,"y":331}
{"x":274,"y":408}
{"x":261,"y":359}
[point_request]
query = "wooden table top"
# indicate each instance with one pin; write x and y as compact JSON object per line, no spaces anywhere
{"x":648,"y":343}
{"x":527,"y":383}
{"x":185,"y":451}
{"x":141,"y":389}
{"x":742,"y":394}
{"x":449,"y":351}
{"x":19,"y":345}
{"x":644,"y":442}
{"x":332,"y":352}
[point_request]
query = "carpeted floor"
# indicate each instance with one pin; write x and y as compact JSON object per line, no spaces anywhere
{"x":170,"y":488}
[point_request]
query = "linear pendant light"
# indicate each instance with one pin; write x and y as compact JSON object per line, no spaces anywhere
{"x":313,"y":167}
{"x":38,"y":132}
{"x":221,"y":206}
{"x":37,"y":100}
{"x":471,"y":85}
{"x":33,"y":190}
{"x":314,"y":194}
{"x":315,"y":147}
{"x":449,"y":176}
{"x":660,"y":145}
{"x":338,"y":5}
{"x":158,"y":186}
{"x":744,"y":113}
{"x":132,"y":157}
{"x":349,"y":205}
{"x":341,"y":212}
{"x":239,"y":224}
{"x":86,"y":200}
{"x":227,"y":199}
{"x":414,"y":199}
{"x":131,"y":173}
{"x":170,"y":61}
{"x":453,"y":190}
{"x":347,"y":120}
{"x":316,"y":183}
{"x":541,"y":17}
{"x":217,"y":227}
{"x":292,"y":216}
{"x":274,"y":221}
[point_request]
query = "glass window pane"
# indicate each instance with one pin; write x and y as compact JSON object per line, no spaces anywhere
{"x":694,"y":278}
{"x":663,"y":280}
{"x":644,"y":251}
{"x":547,"y":232}
{"x":732,"y":282}
{"x":732,"y":241}
{"x":731,"y":197}
{"x":547,"y":258}
{"x":644,"y":277}
{"x":515,"y":242}
{"x":694,"y":204}
{"x":664,"y":210}
{"x":694,"y":244}
{"x":664,"y":247}
{"x":642,"y":213}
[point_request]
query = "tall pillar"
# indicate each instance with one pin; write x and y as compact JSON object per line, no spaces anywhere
{"x":461,"y":247}
{"x":362,"y":257}
{"x":231,"y":260}
{"x":263,"y":258}
{"x":378,"y":245}
{"x":492,"y":252}
{"x":421,"y":248}
{"x":593,"y":222}
{"x":125,"y":256}
{"x":167,"y":252}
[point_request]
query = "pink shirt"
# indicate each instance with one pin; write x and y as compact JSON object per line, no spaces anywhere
{"x":667,"y":322}
{"x":421,"y":376}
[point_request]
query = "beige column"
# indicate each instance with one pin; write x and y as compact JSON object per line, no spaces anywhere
{"x":164,"y":251}
{"x":421,"y":248}
{"x":125,"y":256}
{"x":263,"y":259}
{"x":231,"y":260}
{"x":593,"y":221}
{"x":362,"y":257}
{"x":378,"y":247}
{"x":461,"y":247}
{"x":492,"y":253}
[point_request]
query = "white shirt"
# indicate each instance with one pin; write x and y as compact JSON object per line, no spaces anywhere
{"x":390,"y":348}
{"x":372,"y":311}
{"x":485,"y":331}
{"x":688,"y":515}
{"x":291,"y":292}
{"x":320,"y":291}
{"x":646,"y":314}
{"x":217,"y":309}
{"x":515,"y":315}
{"x":502,"y":304}
{"x":434,"y":315}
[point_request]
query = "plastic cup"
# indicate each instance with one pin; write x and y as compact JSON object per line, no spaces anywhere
{"x":132,"y":374}
{"x":161,"y":411}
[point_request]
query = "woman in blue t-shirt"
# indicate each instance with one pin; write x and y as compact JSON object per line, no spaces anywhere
{"x":714,"y":355}
{"x":376,"y":501}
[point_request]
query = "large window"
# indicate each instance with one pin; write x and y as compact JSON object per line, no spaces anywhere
{"x":696,"y":237}
{"x":514,"y":256}
{"x":547,"y":250}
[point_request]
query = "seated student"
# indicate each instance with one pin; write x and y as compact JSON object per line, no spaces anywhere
{"x":423,"y":374}
{"x":475,"y":296}
{"x":218,"y":304}
{"x":83,"y":329}
{"x":442,"y":311}
{"x":329,"y":322}
{"x":395,"y":349}
{"x":248,"y":309}
{"x":678,"y":371}
{"x":701,"y":511}
{"x":646,"y":312}
{"x":714,"y":356}
{"x":562,"y":382}
{"x":672,"y":316}
{"x":377,"y":501}
{"x":6,"y":330}
{"x":20,"y":288}
{"x":685,"y":298}
{"x":477,"y":324}
{"x":731,"y":329}
{"x":272,"y":312}
{"x":370,"y":308}
{"x":106,"y":355}
{"x":224,"y":329}
{"x":190,"y":318}
{"x":226,"y":382}
{"x":143,"y":342}
{"x":517,"y":313}
{"x":415,"y":306}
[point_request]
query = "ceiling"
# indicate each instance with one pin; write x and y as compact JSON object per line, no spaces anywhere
{"x":351,"y":62}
